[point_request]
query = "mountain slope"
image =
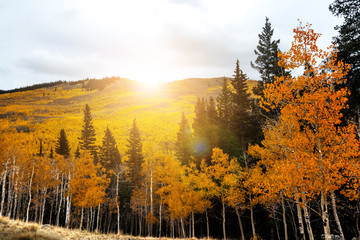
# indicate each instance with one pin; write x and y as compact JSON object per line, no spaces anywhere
{"x":42,"y":113}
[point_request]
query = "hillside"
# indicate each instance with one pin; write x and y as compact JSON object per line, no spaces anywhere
{"x":41,"y":113}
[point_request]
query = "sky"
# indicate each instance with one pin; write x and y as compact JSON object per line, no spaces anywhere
{"x":147,"y":41}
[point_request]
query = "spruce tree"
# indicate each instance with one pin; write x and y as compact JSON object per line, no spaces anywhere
{"x":267,"y":59}
{"x":183,"y":141}
{"x":200,"y":119}
{"x":135,"y":156}
{"x":211,"y":111}
{"x":88,"y":138}
{"x":201,"y":145}
{"x":62,"y":145}
{"x":109,"y":154}
{"x":228,"y":142}
{"x":348,"y":46}
{"x":240,"y":119}
{"x":224,"y":106}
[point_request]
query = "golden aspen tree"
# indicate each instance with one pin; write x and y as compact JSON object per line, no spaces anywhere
{"x":307,"y":138}
{"x":88,"y":186}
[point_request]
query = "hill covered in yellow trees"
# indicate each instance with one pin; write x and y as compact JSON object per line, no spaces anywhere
{"x":38,"y":115}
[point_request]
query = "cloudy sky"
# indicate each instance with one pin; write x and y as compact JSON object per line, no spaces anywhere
{"x":147,"y":41}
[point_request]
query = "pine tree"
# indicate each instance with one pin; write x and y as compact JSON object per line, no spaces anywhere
{"x":240,"y":119}
{"x":224,"y":106}
{"x":109,"y":154}
{"x":348,"y":46}
{"x":87,"y":140}
{"x":267,"y":58}
{"x":183,"y":142}
{"x":201,"y":145}
{"x":200,"y":119}
{"x":62,"y":145}
{"x":135,"y":156}
{"x":211,"y":111}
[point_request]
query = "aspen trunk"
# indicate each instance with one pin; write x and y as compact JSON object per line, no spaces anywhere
{"x":43,"y":207}
{"x":276,"y":224}
{"x":15,"y":203}
{"x":3,"y":189}
{"x":10,"y":196}
{"x":333,"y":201}
{"x":207,"y":224}
{"x":252,"y":220}
{"x":193,"y":224}
{"x":68,"y":211}
{"x":182,"y":227}
{"x":60,"y":202}
{"x":240,"y":224}
{"x":98,"y":218}
{"x":151,"y":201}
{"x":300,"y":219}
{"x":307,"y":218}
{"x":68,"y":204}
{"x":160,"y":219}
{"x":293,"y":221}
{"x":117,"y":204}
{"x":82,"y":218}
{"x":223,"y":216}
{"x":284,"y":217}
{"x":30,"y":183}
{"x":325,"y":216}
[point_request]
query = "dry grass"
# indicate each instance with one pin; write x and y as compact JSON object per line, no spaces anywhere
{"x":18,"y":230}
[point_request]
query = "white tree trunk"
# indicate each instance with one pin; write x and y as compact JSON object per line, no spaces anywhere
{"x":223,"y":216}
{"x":307,"y":218}
{"x":300,"y":218}
{"x":333,"y":201}
{"x":68,"y":204}
{"x":240,"y":224}
{"x":3,"y":189}
{"x":60,"y":202}
{"x":30,"y":196}
{"x":325,"y":216}
{"x":284,"y":217}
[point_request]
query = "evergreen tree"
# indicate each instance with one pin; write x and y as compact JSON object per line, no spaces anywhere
{"x":348,"y":46}
{"x":240,"y":119}
{"x":200,"y":119}
{"x":62,"y":145}
{"x":267,"y":59}
{"x":87,"y":140}
{"x":228,"y":142}
{"x":201,"y":145}
{"x":211,"y":111}
{"x":183,"y":141}
{"x":135,"y":156}
{"x":224,"y":106}
{"x":109,"y":154}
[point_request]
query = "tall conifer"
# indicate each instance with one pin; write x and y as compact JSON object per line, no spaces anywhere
{"x":348,"y":46}
{"x":241,"y":105}
{"x":135,"y":156}
{"x":267,"y":59}
{"x":183,"y":141}
{"x":88,"y":137}
{"x":109,"y":154}
{"x":62,"y":145}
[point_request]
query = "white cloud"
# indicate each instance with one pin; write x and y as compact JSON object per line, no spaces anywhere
{"x":45,"y":40}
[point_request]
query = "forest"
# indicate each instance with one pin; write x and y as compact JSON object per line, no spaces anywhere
{"x":228,"y":158}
